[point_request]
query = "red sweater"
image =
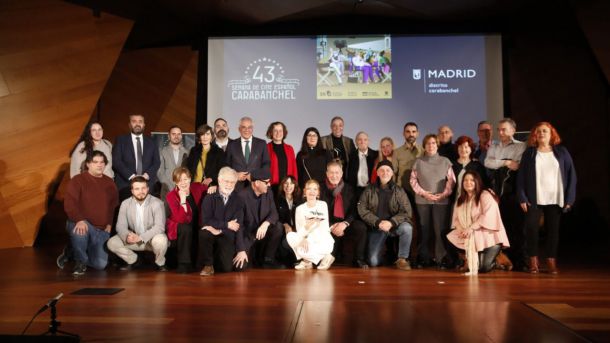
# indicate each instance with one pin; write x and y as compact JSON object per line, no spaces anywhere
{"x":92,"y":199}
{"x":177,"y":214}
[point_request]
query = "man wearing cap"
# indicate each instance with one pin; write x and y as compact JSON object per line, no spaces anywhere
{"x":262,"y":231}
{"x":386,"y":211}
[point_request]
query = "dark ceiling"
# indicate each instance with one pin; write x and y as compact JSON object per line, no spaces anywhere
{"x":171,"y":22}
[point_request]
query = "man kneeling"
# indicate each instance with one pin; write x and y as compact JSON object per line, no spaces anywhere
{"x":140,"y":227}
{"x":386,"y":210}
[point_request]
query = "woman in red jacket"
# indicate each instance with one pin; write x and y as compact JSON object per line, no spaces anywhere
{"x":283,"y":161}
{"x":184,"y":204}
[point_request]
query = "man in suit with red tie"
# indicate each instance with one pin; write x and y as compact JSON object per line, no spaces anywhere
{"x":134,"y":155}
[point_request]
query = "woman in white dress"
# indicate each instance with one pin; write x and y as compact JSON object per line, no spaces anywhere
{"x":92,"y":139}
{"x":312,"y":242}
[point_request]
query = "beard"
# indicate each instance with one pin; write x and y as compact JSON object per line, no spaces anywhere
{"x":136,"y":130}
{"x":221,"y":134}
{"x":411,"y":140}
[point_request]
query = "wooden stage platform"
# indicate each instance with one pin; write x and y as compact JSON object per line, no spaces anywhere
{"x":339,"y":305}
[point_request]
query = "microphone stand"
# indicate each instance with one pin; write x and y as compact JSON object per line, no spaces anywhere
{"x":54,"y":325}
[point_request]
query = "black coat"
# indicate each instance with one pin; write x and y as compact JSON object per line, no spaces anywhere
{"x":349,"y":203}
{"x":354,"y":165}
{"x":214,"y":162}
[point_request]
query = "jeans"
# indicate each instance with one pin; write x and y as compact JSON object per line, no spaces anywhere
{"x":377,"y":239}
{"x":89,"y":248}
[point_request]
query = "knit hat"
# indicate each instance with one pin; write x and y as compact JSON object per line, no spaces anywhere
{"x":385,"y":163}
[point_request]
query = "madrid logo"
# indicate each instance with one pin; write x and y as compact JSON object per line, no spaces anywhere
{"x":416,"y":74}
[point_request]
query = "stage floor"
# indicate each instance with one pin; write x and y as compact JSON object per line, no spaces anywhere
{"x":339,"y":305}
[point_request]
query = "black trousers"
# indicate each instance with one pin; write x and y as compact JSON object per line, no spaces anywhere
{"x":265,"y":249}
{"x":356,"y":235}
{"x":434,"y":219}
{"x":184,"y":243}
{"x":217,"y":251}
{"x":514,"y":222}
{"x":552,"y":219}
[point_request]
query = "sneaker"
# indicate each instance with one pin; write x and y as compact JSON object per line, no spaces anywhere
{"x":62,"y":259}
{"x":303,"y":265}
{"x":79,"y":269}
{"x":326,"y":262}
{"x":403,"y":264}
{"x":207,"y":271}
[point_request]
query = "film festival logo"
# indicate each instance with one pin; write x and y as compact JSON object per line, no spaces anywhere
{"x":264,"y":79}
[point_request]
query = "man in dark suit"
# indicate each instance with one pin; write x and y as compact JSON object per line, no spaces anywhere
{"x":134,"y":155}
{"x":362,"y":164}
{"x":247,"y":154}
{"x":222,"y":216}
{"x":262,"y":230}
{"x":341,"y":201}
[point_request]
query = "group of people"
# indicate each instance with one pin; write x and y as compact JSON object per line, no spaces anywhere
{"x":228,"y":204}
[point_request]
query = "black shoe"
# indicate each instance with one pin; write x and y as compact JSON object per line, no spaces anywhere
{"x":162,"y":268}
{"x":62,"y":259}
{"x":79,"y":269}
{"x":272,"y":264}
{"x":361,"y":264}
{"x":184,"y":268}
{"x":130,"y":267}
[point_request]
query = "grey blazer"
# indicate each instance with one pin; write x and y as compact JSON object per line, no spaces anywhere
{"x":167,"y":167}
{"x":154,"y":218}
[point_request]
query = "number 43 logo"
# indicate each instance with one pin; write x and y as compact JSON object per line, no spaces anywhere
{"x":265,"y":70}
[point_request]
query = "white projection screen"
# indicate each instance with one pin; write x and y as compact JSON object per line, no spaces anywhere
{"x":376,"y":83}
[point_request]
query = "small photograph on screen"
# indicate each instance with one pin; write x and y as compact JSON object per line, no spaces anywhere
{"x":355,"y":67}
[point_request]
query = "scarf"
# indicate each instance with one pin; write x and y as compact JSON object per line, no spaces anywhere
{"x":465,"y":220}
{"x":338,"y":211}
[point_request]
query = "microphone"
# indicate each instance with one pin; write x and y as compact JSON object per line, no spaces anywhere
{"x":50,"y":303}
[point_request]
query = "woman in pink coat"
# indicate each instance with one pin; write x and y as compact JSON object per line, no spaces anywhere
{"x":477,"y":225}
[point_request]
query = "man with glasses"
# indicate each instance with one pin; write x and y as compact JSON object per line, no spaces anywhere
{"x":222,"y":215}
{"x":247,"y":154}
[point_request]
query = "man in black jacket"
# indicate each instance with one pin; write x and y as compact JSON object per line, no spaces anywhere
{"x":362,"y":163}
{"x":339,"y":196}
{"x":262,"y":230}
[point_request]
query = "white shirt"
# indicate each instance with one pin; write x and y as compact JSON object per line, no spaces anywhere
{"x":222,"y":144}
{"x":176,"y":153}
{"x":549,"y":185}
{"x":140,"y":218}
{"x":243,"y":145}
{"x":363,"y":172}
{"x":135,"y":147}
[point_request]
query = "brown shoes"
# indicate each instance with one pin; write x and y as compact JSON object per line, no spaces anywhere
{"x":533,"y":266}
{"x":403,"y":264}
{"x":551,"y":264}
{"x":207,"y":271}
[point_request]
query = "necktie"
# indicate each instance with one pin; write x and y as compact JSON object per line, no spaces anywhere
{"x":138,"y":156}
{"x":247,"y":151}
